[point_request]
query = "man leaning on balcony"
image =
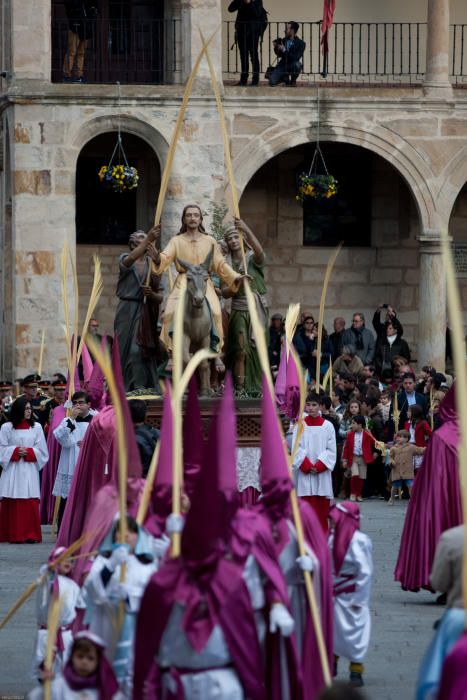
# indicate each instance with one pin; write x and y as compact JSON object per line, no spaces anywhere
{"x":289,"y":50}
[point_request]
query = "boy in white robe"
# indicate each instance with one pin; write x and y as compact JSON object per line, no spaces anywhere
{"x":315,"y":459}
{"x":59,"y":583}
{"x":351,"y":552}
{"x":70,"y":435}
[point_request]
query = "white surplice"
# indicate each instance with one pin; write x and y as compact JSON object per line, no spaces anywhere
{"x":316,"y":443}
{"x":21,"y":479}
{"x":68,"y":434}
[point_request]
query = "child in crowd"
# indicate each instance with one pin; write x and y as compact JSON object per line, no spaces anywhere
{"x":420,"y":431}
{"x":359,"y":451}
{"x":385,"y":406}
{"x":401,"y":458}
{"x":57,"y":582}
{"x":353,"y":409}
{"x":351,"y":552}
{"x":87,"y":675}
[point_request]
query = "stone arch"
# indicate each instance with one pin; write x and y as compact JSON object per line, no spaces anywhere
{"x":130,"y":124}
{"x":454,"y":178}
{"x":381,"y":141}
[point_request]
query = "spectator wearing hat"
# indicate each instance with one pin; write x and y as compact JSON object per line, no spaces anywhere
{"x":58,"y":399}
{"x":275,"y":341}
{"x":30,"y":390}
{"x":361,"y":338}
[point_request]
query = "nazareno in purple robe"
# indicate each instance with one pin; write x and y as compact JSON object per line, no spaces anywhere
{"x":453,"y":684}
{"x":435,"y":504}
{"x":97,"y":463}
{"x":275,"y":506}
{"x":205,"y":574}
{"x":50,"y":470}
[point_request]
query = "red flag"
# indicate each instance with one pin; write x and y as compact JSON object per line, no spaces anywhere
{"x":328,"y":13}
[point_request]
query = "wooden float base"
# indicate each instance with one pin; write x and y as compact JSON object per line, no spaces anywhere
{"x":248,"y":418}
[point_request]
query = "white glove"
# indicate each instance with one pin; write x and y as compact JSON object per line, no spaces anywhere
{"x":160,"y":546}
{"x":118,"y":557}
{"x":305,"y":562}
{"x":119,"y":591}
{"x":280,"y":619}
{"x":174,"y":523}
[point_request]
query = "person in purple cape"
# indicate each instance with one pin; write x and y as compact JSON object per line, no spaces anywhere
{"x":435,"y":504}
{"x":97,"y":463}
{"x":251,"y":544}
{"x":49,"y":472}
{"x":197,"y":633}
{"x":276,"y":486}
{"x":454,"y":679}
{"x":158,"y":521}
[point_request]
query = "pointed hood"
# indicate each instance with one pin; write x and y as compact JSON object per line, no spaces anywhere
{"x":227,"y":455}
{"x":201,"y":537}
{"x":292,"y":388}
{"x":135,"y":468}
{"x":87,"y":363}
{"x":274,"y":470}
{"x":447,"y":408}
{"x":346,"y":519}
{"x":280,"y":383}
{"x":161,"y":497}
{"x":193,"y":439}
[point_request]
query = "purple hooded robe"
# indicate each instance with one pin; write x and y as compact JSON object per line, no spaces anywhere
{"x":435,"y":504}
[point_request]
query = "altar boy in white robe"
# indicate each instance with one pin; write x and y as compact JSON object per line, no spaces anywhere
{"x":70,"y":435}
{"x":315,"y":459}
{"x":351,"y":552}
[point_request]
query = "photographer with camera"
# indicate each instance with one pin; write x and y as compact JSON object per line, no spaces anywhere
{"x":391,"y":317}
{"x":289,"y":50}
{"x":389,"y":343}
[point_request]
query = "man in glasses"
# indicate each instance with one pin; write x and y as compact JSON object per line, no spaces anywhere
{"x":70,"y":435}
{"x":361,"y":338}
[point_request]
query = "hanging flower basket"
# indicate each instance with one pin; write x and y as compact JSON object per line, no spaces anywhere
{"x":316,"y":186}
{"x":119,"y":178}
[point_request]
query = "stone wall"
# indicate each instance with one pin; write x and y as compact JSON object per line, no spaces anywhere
{"x":415,"y":141}
{"x":363,"y":277}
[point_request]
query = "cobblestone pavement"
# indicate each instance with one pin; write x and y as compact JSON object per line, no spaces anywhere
{"x":402,"y":622}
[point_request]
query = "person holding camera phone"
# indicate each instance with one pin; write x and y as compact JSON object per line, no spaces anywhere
{"x":289,"y":50}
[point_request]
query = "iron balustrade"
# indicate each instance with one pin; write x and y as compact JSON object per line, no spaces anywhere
{"x":359,"y":52}
{"x":132,"y":52}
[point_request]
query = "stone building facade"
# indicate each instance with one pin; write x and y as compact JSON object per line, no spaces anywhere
{"x":416,"y":136}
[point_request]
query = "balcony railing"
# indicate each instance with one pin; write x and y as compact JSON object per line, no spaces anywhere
{"x":359,"y":52}
{"x":138,"y":52}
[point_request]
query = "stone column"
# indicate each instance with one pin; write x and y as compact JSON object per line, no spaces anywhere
{"x":432,"y":302}
{"x":31,"y":45}
{"x":437,"y":83}
{"x":207,"y":16}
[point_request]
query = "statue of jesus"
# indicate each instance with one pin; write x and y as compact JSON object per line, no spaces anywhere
{"x":193,"y":245}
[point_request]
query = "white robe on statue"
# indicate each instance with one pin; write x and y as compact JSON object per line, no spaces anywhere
{"x":68,"y":434}
{"x":318,"y":442}
{"x":21,"y":479}
{"x":352,"y":620}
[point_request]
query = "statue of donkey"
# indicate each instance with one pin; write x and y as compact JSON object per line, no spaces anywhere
{"x":197,"y":320}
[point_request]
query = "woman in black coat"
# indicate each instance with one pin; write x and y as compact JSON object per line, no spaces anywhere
{"x":388,"y":346}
